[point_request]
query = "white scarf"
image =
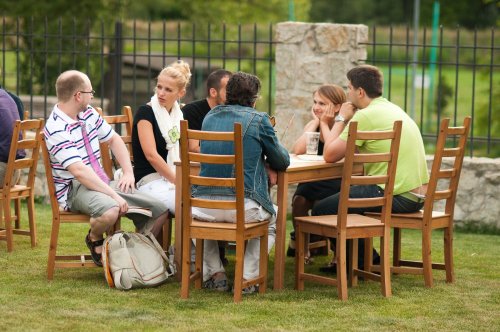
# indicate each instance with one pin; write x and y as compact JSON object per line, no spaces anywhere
{"x":169,"y":124}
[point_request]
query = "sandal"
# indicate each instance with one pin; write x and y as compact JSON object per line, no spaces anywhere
{"x":96,"y":257}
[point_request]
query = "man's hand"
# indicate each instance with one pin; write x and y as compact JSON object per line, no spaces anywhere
{"x":347,"y":110}
{"x":272,"y":176}
{"x":122,"y":204}
{"x":126,"y":184}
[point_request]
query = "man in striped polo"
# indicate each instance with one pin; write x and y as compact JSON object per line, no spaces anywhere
{"x":73,"y":132}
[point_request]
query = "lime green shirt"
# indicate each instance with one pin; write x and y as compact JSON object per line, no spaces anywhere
{"x":411,"y":169}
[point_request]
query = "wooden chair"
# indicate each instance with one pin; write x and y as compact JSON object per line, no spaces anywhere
{"x":238,"y":232}
{"x":17,"y":202}
{"x":346,"y":226}
{"x":16,"y":191}
{"x":428,"y":220}
{"x":60,"y":216}
{"x":109,"y":163}
{"x":126,"y":121}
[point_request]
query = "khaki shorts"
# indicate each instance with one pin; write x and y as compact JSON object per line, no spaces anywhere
{"x":94,"y":203}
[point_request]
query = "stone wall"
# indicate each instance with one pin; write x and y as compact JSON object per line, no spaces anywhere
{"x":307,"y":56}
{"x":478,"y":192}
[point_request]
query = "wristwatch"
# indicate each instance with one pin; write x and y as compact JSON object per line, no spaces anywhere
{"x":340,"y":118}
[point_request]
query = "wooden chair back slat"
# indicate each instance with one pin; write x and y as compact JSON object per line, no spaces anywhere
{"x":365,"y":180}
{"x":211,"y":158}
{"x":214,"y":135}
{"x":372,"y":158}
{"x":207,"y":181}
{"x":213,"y":204}
{"x":375,"y":135}
{"x":366,"y":202}
{"x":451,"y":152}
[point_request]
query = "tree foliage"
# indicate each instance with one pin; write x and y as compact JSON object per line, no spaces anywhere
{"x":45,"y":58}
{"x":467,"y":13}
{"x":218,"y":11}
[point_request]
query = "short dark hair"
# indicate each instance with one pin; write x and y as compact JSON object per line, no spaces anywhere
{"x":242,"y":89}
{"x":369,"y":78}
{"x":213,"y":80}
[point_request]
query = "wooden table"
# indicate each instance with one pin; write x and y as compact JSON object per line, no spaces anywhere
{"x":298,"y":171}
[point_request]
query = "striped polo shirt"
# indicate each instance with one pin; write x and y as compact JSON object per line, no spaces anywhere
{"x":63,"y":137}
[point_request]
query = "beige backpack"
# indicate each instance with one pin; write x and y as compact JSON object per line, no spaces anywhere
{"x":134,"y":260}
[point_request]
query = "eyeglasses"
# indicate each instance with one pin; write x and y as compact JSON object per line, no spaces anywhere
{"x":91,"y":92}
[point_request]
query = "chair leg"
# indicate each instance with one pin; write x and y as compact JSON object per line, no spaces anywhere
{"x":299,"y":257}
{"x":352,"y":261}
{"x":185,"y":268}
{"x":396,"y":251}
{"x":448,"y":254}
{"x":263,"y":263}
{"x":31,"y":218}
{"x":17,"y":210}
{"x":1,"y":213}
{"x":426,"y":256}
{"x":341,"y":268}
{"x":8,"y":223}
{"x":54,"y":235}
{"x":238,"y":272}
{"x":368,"y":254}
{"x":385,"y":269}
{"x":198,"y":283}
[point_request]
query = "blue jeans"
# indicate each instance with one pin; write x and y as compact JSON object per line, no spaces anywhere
{"x":330,"y":205}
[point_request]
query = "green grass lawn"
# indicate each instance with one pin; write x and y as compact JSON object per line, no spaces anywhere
{"x":80,"y":300}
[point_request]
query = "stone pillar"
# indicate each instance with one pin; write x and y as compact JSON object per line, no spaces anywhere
{"x":307,"y":56}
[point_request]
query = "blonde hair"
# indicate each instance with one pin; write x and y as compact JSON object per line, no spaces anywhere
{"x":179,"y":71}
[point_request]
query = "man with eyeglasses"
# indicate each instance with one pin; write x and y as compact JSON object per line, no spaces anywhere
{"x":73,"y":132}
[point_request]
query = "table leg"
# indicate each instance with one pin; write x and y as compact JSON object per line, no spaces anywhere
{"x":279,"y":250}
{"x":178,"y":222}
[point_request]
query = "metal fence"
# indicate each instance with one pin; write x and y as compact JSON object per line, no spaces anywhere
{"x":436,"y":74}
{"x":443,"y":73}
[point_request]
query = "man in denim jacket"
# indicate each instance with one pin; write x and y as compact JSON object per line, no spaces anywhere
{"x":263,"y":155}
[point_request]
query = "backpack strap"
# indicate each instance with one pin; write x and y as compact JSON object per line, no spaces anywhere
{"x":170,"y":268}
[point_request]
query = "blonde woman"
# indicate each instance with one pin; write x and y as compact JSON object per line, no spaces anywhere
{"x":156,"y":132}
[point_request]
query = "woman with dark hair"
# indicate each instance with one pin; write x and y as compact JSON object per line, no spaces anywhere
{"x":261,"y":152}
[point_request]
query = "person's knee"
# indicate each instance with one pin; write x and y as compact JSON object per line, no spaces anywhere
{"x":109,"y":217}
{"x":300,"y":206}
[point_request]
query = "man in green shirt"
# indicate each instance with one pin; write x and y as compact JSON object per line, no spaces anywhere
{"x":373,"y":112}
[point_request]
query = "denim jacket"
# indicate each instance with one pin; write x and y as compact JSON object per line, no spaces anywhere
{"x":260,"y":146}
